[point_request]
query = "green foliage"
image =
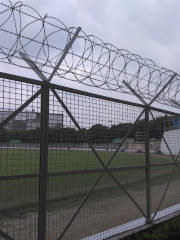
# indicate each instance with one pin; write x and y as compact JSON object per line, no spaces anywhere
{"x":96,"y":134}
{"x":169,"y":230}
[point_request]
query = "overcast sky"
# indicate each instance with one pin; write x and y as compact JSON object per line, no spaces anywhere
{"x":149,"y":28}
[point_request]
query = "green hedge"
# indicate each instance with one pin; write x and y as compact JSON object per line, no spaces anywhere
{"x":169,"y":230}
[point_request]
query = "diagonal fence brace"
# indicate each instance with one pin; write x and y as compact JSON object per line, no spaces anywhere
{"x":147,"y":139}
{"x":105,"y":168}
{"x":5,"y":235}
{"x":78,"y":127}
{"x":114,"y":154}
{"x":38,"y":72}
{"x":165,"y":189}
{"x":79,"y":208}
{"x":20,"y":108}
{"x":135,"y":93}
{"x":166,"y":144}
{"x":157,"y":95}
{"x":175,"y":164}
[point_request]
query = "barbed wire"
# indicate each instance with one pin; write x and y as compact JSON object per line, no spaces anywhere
{"x":89,"y":61}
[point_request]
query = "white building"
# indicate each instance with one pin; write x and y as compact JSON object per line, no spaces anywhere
{"x":173,"y":140}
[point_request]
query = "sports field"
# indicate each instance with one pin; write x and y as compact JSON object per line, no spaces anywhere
{"x":20,"y":197}
{"x":26,"y":161}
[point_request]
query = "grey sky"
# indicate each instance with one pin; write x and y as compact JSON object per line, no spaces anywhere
{"x":149,"y":28}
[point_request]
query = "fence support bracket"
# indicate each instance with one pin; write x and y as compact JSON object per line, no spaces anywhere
{"x":135,"y":93}
{"x":64,"y":54}
{"x":176,"y":103}
{"x":35,"y":68}
{"x":165,"y":86}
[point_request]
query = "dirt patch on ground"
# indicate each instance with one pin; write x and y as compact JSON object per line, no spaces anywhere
{"x":95,"y":216}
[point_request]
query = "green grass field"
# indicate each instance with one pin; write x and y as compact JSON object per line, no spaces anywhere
{"x":65,"y":190}
{"x":25,"y":161}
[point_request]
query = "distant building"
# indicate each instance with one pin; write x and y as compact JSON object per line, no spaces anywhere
{"x":172,"y":124}
{"x":171,"y":136}
{"x":29,"y":120}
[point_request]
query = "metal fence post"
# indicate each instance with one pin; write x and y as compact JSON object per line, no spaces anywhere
{"x":43,"y":161}
{"x":148,"y":199}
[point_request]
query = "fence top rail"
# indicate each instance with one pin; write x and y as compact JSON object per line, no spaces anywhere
{"x":20,"y":79}
{"x":76,"y":91}
{"x":88,"y":94}
{"x":164,"y":111}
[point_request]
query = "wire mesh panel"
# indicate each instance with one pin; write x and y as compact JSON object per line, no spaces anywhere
{"x":20,"y":136}
{"x":19,"y":208}
{"x":171,"y":200}
{"x":94,"y":134}
{"x":65,"y":194}
{"x":107,"y":207}
{"x":166,"y":171}
{"x":19,"y":150}
{"x":84,"y":166}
